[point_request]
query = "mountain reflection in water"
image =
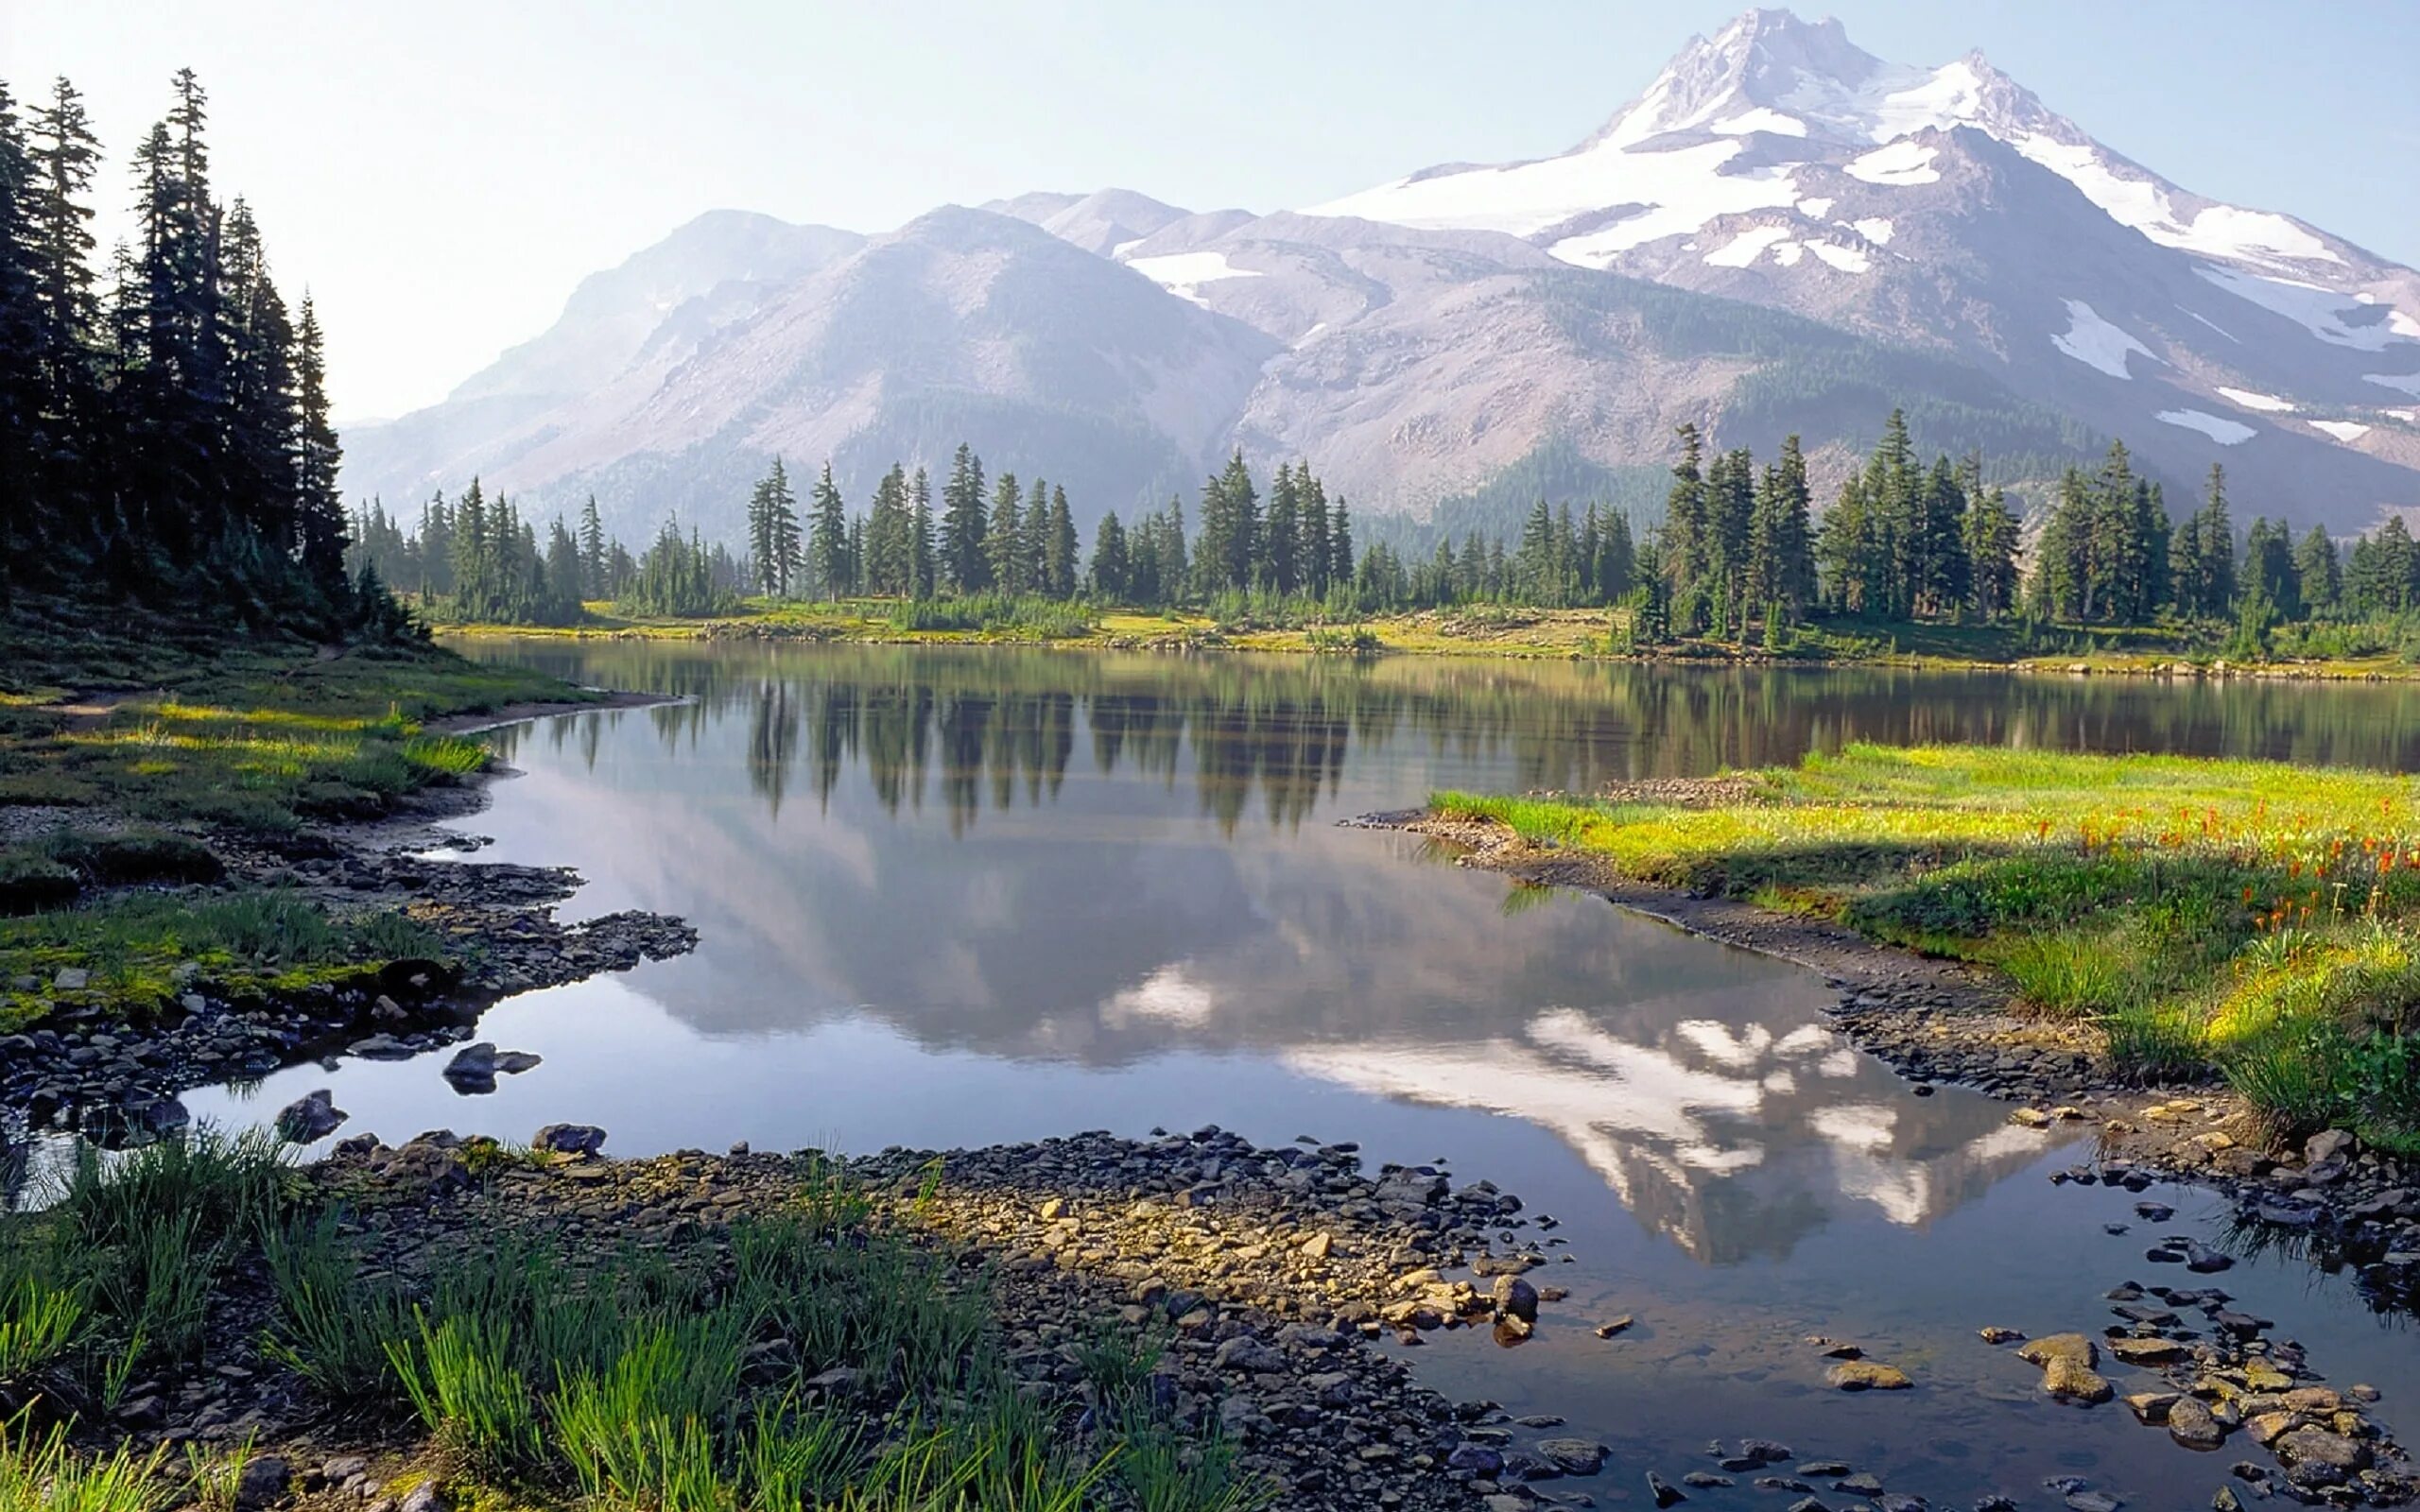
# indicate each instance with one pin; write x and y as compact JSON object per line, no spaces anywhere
{"x":1127,"y":865}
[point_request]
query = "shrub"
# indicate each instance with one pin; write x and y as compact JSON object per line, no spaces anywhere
{"x":135,"y":856}
{"x":30,"y":882}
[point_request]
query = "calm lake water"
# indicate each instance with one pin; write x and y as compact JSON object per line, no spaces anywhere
{"x":951,"y":898}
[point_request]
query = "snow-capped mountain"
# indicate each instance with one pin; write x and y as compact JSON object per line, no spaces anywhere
{"x":1948,"y":207}
{"x":1782,"y":232}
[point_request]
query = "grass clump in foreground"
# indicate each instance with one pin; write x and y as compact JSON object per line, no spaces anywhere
{"x":817,"y":1357}
{"x":2254,"y":919}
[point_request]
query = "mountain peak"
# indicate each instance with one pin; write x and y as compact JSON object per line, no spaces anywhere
{"x":1771,"y":71}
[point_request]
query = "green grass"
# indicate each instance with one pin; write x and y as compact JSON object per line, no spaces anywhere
{"x":2252,"y":920}
{"x":39,"y":1472}
{"x":257,"y":738}
{"x":246,"y":943}
{"x":670,"y":1376}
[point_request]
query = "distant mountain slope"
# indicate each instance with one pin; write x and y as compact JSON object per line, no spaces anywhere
{"x":1782,"y":232}
{"x":671,"y":297}
{"x":964,"y":325}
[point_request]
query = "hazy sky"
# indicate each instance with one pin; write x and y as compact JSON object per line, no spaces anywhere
{"x":442,"y":172}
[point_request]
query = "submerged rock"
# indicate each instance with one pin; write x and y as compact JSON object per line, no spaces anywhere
{"x":2191,"y":1424}
{"x":1865,"y":1375}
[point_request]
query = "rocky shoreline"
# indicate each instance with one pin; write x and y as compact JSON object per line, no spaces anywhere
{"x":1942,"y":1022}
{"x":85,"y":1069}
{"x":1261,"y":1271}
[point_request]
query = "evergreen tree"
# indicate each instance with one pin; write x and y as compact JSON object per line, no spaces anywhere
{"x":1033,"y":564}
{"x":827,"y":537}
{"x":2269,"y":569}
{"x":1781,"y":561}
{"x":593,"y":582}
{"x":1004,"y":536}
{"x":1317,"y":550}
{"x":320,"y":509}
{"x":1991,"y":533}
{"x":1280,"y":534}
{"x":891,"y":538}
{"x":1229,"y":549}
{"x":2318,"y":573}
{"x":1110,"y":564}
{"x":1682,"y":550}
{"x":2061,"y":586}
{"x":925,"y":550}
{"x":965,"y":565}
{"x":1062,"y":546}
{"x":1339,"y":543}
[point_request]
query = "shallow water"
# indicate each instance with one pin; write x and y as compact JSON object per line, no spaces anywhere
{"x":952,"y":897}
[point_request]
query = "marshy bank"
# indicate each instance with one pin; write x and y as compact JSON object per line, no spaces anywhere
{"x":2219,"y":961}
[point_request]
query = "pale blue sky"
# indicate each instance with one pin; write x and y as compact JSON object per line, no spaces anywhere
{"x":441,"y":172}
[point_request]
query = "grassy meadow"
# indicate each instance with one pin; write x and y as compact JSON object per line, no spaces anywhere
{"x":2252,"y":920}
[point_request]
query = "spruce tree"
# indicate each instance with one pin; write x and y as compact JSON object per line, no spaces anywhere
{"x":320,"y":509}
{"x":592,"y":551}
{"x":1004,"y":536}
{"x":1110,"y":564}
{"x":2318,"y":573}
{"x":1316,"y":552}
{"x":965,"y":566}
{"x":827,"y":541}
{"x":1991,"y":531}
{"x":1063,"y":544}
{"x":923,"y":557}
{"x":1683,"y":552}
{"x":1280,"y":534}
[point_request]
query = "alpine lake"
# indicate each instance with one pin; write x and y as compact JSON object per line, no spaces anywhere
{"x":953,"y":897}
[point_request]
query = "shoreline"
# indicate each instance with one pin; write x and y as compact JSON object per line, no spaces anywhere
{"x":88,"y":1070}
{"x":1937,"y":1022}
{"x":2166,"y":667}
{"x":530,"y":711}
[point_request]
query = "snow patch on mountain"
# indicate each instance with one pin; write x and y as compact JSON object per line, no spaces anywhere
{"x":2131,"y":199}
{"x":1847,"y":259}
{"x":1183,"y":273}
{"x":2215,"y":326}
{"x":1901,"y":162}
{"x":1874,"y":229}
{"x":2251,"y":399}
{"x":1747,"y":247}
{"x":1761,"y":119}
{"x":2224,"y":432}
{"x":1817,"y":207}
{"x":2343,"y":430}
{"x":2096,"y":343}
{"x":2407,"y":382}
{"x":1677,"y":193}
{"x":2319,"y":311}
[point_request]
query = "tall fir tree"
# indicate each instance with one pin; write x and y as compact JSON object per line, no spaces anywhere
{"x":1004,"y":536}
{"x":827,"y":537}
